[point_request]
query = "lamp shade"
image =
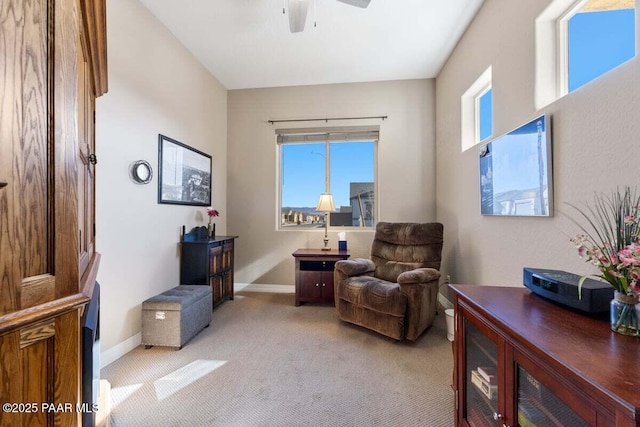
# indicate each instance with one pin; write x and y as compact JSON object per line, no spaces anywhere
{"x":297,"y":15}
{"x":325,"y":203}
{"x":358,"y":3}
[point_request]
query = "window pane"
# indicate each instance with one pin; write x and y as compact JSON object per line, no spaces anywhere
{"x":599,"y":41}
{"x":303,"y":180}
{"x":352,"y":183}
{"x":485,"y":115}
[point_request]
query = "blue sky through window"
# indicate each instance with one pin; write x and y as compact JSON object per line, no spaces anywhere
{"x":598,"y":42}
{"x":303,"y":171}
{"x":485,"y":114}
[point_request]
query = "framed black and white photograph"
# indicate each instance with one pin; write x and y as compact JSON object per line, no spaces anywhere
{"x":184,"y":176}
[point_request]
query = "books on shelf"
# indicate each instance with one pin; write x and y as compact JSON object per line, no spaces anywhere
{"x":528,"y":385}
{"x":529,"y":415}
{"x":488,"y":389}
{"x":488,"y":374}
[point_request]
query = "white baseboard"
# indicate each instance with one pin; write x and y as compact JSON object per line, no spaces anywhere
{"x":444,"y":301}
{"x":119,"y":350}
{"x":274,"y":289}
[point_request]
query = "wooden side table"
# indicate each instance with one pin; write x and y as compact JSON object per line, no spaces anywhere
{"x":314,"y":274}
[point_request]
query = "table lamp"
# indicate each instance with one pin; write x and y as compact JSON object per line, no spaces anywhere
{"x":325,"y":204}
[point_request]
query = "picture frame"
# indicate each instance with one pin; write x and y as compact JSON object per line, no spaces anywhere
{"x":184,"y":174}
{"x":516,"y":171}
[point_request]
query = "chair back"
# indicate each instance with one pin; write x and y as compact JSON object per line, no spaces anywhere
{"x":404,"y":246}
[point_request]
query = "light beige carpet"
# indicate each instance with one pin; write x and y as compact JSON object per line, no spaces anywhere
{"x":265,"y":362}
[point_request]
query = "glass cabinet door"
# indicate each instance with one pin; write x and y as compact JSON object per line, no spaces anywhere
{"x":481,"y":381}
{"x":539,"y":406}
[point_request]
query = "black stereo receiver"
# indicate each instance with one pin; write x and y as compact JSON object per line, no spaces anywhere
{"x":562,"y":287}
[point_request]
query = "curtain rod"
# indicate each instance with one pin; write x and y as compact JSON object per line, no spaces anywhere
{"x":327,"y":119}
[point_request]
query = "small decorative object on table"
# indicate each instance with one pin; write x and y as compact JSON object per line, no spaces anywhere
{"x":612,"y":243}
{"x":212,"y":225}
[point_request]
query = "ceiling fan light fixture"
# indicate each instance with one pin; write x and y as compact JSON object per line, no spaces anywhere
{"x":358,"y":3}
{"x":297,"y":14}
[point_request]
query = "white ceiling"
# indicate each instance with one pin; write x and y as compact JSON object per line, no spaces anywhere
{"x":247,"y":43}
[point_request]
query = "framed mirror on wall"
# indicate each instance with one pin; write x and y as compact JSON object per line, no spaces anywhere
{"x":184,"y":174}
{"x":141,"y":172}
{"x":516,"y":172}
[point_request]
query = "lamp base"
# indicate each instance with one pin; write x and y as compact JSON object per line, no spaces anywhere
{"x":326,"y":242}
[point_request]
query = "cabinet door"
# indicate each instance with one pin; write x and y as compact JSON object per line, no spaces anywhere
{"x":216,"y":258}
{"x":227,"y":288}
{"x":39,"y":344}
{"x":227,"y":258}
{"x":480,"y":376}
{"x":327,"y":285}
{"x":543,"y":401}
{"x":86,"y":157}
{"x":216,"y":282}
{"x":310,"y":285}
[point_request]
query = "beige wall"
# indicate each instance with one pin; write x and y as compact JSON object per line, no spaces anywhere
{"x":155,"y":86}
{"x":405,"y":167}
{"x":595,"y":148}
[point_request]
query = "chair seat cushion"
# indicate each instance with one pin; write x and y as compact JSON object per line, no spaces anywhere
{"x":374,"y":294}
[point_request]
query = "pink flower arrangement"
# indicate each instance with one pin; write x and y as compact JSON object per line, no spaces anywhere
{"x":611,"y":241}
{"x":212,"y":212}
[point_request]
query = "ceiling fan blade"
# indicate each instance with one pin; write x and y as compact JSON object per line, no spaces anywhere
{"x":358,"y":3}
{"x":297,"y":14}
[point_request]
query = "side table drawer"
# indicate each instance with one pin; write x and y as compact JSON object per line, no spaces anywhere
{"x":317,"y":265}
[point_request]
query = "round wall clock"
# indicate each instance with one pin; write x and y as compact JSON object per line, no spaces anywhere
{"x":141,"y":172}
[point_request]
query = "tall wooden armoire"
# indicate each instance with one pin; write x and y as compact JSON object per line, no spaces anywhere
{"x":52,"y":67}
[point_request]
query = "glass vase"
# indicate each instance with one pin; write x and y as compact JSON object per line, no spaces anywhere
{"x":625,"y":311}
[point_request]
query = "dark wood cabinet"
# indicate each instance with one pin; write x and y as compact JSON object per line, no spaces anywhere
{"x":522,"y":360}
{"x":209,"y":262}
{"x":314,"y":274}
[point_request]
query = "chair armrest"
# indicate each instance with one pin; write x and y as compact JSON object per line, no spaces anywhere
{"x":419,"y":275}
{"x":355,"y":267}
{"x":421,"y":288}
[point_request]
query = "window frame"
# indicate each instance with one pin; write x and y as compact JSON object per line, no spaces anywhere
{"x":349,"y":133}
{"x":470,"y":111}
{"x":552,"y":50}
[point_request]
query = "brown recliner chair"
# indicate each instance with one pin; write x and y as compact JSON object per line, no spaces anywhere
{"x":395,"y":292}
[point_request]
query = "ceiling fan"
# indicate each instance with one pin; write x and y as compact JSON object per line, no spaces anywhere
{"x":298,"y":12}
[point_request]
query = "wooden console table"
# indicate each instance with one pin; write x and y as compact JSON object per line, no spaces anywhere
{"x":314,"y":274}
{"x":208,"y":261}
{"x":546,"y":365}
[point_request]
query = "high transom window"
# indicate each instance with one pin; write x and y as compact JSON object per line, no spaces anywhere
{"x":477,"y":111}
{"x":579,"y":41}
{"x":599,"y":36}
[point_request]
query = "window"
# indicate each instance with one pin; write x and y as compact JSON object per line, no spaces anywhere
{"x":336,"y":161}
{"x":484,"y":119}
{"x":599,"y":37}
{"x":576,"y":42}
{"x":477,"y":111}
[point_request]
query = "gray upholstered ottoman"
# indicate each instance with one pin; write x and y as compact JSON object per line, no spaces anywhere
{"x":174,"y":316}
